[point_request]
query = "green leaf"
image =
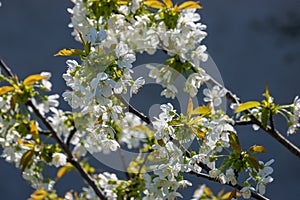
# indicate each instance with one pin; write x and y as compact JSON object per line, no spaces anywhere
{"x":257,"y":149}
{"x":168,"y":3}
{"x":265,"y":115}
{"x":123,"y":2}
{"x":190,"y":4}
{"x":154,"y":4}
{"x":69,"y":52}
{"x":6,"y":89}
{"x":13,"y":101}
{"x":189,"y":109}
{"x":33,"y":79}
{"x":63,"y":170}
{"x":195,"y":120}
{"x":201,"y":110}
{"x":234,"y":142}
{"x":267,"y":94}
{"x":247,"y":105}
{"x":175,"y":122}
{"x":252,"y":161}
{"x":34,"y":132}
{"x":26,"y":158}
{"x":227,"y":195}
{"x":198,"y":132}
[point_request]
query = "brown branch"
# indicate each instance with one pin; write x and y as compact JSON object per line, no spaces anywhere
{"x":134,"y":111}
{"x":54,"y":135}
{"x":242,"y":123}
{"x":70,"y":156}
{"x":6,"y":68}
{"x":278,"y":136}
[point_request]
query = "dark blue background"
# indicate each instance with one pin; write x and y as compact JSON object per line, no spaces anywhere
{"x":251,"y":42}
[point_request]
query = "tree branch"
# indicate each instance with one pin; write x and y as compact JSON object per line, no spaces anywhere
{"x":278,"y":136}
{"x":134,"y":111}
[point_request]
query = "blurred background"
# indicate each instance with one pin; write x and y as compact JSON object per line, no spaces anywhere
{"x":252,"y":42}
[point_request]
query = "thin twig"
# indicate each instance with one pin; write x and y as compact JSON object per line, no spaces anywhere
{"x":71,"y":134}
{"x":272,"y":123}
{"x":6,"y":68}
{"x":134,"y":111}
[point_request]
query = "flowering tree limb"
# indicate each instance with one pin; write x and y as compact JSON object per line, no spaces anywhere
{"x":173,"y":143}
{"x":51,"y":132}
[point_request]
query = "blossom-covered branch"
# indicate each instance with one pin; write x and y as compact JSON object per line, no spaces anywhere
{"x":165,"y":148}
{"x":54,"y":134}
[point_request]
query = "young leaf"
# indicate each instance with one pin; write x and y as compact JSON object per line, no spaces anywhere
{"x":6,"y":89}
{"x":123,"y":2}
{"x":175,"y":122}
{"x":190,"y":4}
{"x":247,"y":105}
{"x":227,"y":195}
{"x":69,"y":52}
{"x":26,"y":159}
{"x":195,"y":119}
{"x":13,"y":101}
{"x":198,"y":132}
{"x":39,"y":195}
{"x":168,"y":3}
{"x":33,"y":79}
{"x":29,"y":144}
{"x":63,"y":170}
{"x":154,"y":4}
{"x":267,"y":94}
{"x":257,"y":149}
{"x":189,"y":109}
{"x":34,"y":132}
{"x":208,"y":192}
{"x":265,"y":115}
{"x":252,"y":161}
{"x":201,"y":110}
{"x":234,"y":142}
